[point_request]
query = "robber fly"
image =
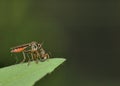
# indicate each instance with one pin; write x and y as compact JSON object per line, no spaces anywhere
{"x":34,"y":49}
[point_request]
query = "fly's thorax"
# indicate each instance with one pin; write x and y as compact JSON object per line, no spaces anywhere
{"x":34,"y":47}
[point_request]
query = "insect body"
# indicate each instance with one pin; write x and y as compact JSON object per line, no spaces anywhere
{"x":33,"y":49}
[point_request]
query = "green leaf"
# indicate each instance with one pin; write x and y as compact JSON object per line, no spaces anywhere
{"x":24,"y":75}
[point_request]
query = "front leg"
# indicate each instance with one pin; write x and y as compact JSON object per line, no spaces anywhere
{"x":44,"y":57}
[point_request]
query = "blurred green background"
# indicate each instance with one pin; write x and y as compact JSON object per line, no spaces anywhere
{"x":86,"y":33}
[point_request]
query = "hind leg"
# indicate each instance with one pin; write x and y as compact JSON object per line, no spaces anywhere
{"x":24,"y":57}
{"x":16,"y":58}
{"x":29,"y":60}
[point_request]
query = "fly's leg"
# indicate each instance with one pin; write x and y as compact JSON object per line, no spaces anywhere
{"x":42,"y":53}
{"x":28,"y":59}
{"x":32,"y":56}
{"x":24,"y":57}
{"x":45,"y":57}
{"x":16,"y":58}
{"x":36,"y":57}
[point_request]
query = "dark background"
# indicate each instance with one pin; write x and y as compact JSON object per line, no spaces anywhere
{"x":85,"y":32}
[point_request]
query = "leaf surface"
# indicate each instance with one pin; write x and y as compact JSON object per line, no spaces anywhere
{"x":24,"y":75}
